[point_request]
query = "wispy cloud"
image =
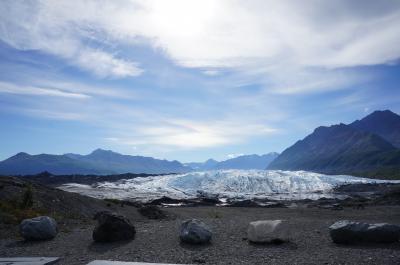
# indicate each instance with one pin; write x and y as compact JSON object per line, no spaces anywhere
{"x":218,"y":34}
{"x":11,"y":88}
{"x":185,"y":134}
{"x":56,"y":28}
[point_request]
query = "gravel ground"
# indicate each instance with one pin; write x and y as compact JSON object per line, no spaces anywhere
{"x":157,"y":241}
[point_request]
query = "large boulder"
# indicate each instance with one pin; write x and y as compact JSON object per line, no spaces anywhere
{"x":346,"y":232}
{"x":194,"y":232}
{"x":267,"y":231}
{"x":112,"y":227}
{"x":38,"y":228}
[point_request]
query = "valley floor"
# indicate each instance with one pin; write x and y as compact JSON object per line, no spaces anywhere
{"x":157,"y":241}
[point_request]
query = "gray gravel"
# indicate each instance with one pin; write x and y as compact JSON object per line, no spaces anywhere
{"x":157,"y":241}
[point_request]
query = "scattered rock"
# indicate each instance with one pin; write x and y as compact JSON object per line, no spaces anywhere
{"x":38,"y":228}
{"x":112,"y":227}
{"x":165,"y":200}
{"x":152,"y":212}
{"x":244,"y":203}
{"x":335,"y":207}
{"x":194,"y":231}
{"x":267,"y":231}
{"x":346,"y":232}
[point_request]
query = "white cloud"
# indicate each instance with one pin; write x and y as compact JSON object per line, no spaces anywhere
{"x":105,"y":65}
{"x":230,"y":156}
{"x":245,"y":35}
{"x":58,"y":29}
{"x":185,"y":134}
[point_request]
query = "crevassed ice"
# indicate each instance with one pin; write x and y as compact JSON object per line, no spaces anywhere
{"x":274,"y":184}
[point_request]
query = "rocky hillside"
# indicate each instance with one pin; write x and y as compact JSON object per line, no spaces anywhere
{"x":345,"y":149}
{"x":20,"y":199}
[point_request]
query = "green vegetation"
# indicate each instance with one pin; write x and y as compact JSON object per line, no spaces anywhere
{"x":14,"y":211}
{"x":27,"y":199}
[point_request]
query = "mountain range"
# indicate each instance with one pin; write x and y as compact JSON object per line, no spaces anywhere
{"x":367,"y":147}
{"x":241,"y":162}
{"x":99,"y":162}
{"x":106,"y":162}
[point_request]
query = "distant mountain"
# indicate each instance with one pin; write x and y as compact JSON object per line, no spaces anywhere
{"x":247,"y":162}
{"x":25,"y":164}
{"x":240,"y":162}
{"x":129,"y":164}
{"x":207,"y":165}
{"x":345,"y":149}
{"x":99,"y":162}
{"x":385,"y":123}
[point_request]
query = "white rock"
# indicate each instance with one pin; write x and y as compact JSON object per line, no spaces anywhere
{"x":267,"y":231}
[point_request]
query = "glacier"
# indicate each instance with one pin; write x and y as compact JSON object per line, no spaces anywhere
{"x":238,"y":184}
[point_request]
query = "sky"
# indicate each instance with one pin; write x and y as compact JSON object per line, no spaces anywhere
{"x":190,"y":79}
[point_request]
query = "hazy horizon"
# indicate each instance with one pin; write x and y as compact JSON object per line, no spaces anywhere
{"x":190,"y":80}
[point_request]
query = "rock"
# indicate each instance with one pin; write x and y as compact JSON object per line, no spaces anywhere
{"x":165,"y":200}
{"x":152,"y":212}
{"x":38,"y":228}
{"x":194,"y":232}
{"x":346,"y":232}
{"x":244,"y":203}
{"x":112,"y":227}
{"x":267,"y":231}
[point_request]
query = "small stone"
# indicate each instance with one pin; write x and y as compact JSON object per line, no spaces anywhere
{"x":194,"y":232}
{"x":38,"y":228}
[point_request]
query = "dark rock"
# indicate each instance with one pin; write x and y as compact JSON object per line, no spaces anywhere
{"x":209,"y":201}
{"x":152,"y":212}
{"x":334,"y":206}
{"x":244,"y":203}
{"x":165,"y":200}
{"x":194,"y":232}
{"x":112,"y":227}
{"x":38,"y":228}
{"x":346,"y":232}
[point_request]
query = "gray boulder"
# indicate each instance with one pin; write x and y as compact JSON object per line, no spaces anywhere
{"x":112,"y":227}
{"x":267,"y":231}
{"x":194,"y":232}
{"x":38,"y":228}
{"x":347,"y":232}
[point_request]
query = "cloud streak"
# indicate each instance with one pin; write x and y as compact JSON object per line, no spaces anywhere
{"x":11,"y":88}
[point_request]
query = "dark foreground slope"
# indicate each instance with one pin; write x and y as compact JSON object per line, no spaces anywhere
{"x":344,"y":149}
{"x":45,"y":201}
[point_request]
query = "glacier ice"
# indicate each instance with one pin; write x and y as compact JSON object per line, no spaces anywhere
{"x":273,"y":184}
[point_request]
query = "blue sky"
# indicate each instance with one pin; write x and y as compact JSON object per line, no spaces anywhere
{"x":190,"y":80}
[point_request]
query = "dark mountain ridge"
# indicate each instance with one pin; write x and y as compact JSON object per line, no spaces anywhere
{"x":384,"y":123}
{"x":346,"y":149}
{"x":99,"y":162}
